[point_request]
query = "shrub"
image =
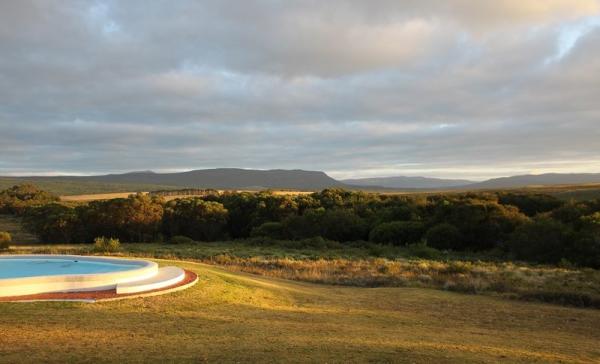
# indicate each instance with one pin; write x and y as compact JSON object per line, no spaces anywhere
{"x":397,"y":233}
{"x":423,"y":251}
{"x":55,"y":223}
{"x":444,"y":236}
{"x":318,"y":242}
{"x":576,"y":299}
{"x":269,"y":229}
{"x":584,"y":249}
{"x":180,"y":239}
{"x":543,"y":240}
{"x":303,"y":226}
{"x":5,"y":240}
{"x":17,"y":199}
{"x":343,"y":225}
{"x":530,"y":204}
{"x":198,"y":219}
{"x":102,"y":244}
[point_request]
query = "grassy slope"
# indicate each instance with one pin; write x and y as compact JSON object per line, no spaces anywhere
{"x":231,"y":317}
{"x":357,"y":266}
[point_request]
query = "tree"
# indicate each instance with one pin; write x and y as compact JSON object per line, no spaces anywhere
{"x":145,"y":217}
{"x":19,"y":198}
{"x":444,"y":236}
{"x":530,"y":204}
{"x":398,"y":232}
{"x":543,"y":240}
{"x":342,"y":225}
{"x":55,"y":223}
{"x":197,"y":219}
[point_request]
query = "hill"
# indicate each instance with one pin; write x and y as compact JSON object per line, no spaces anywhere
{"x":220,"y":178}
{"x":548,"y":179}
{"x":229,"y":178}
{"x":279,"y":179}
{"x":407,"y":182}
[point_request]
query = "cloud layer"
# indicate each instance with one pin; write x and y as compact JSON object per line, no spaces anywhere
{"x":457,"y":89}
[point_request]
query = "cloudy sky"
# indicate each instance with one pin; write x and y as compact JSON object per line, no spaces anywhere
{"x":455,"y":88}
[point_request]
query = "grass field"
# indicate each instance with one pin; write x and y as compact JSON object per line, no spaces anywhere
{"x":108,"y":196}
{"x":235,"y":317}
{"x":358,"y":266}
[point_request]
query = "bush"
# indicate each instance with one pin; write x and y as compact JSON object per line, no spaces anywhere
{"x":106,"y":245}
{"x":343,"y":225}
{"x":543,"y":240}
{"x":530,"y":204}
{"x":180,"y":239}
{"x":5,"y":240}
{"x":584,"y":249}
{"x":423,"y":251}
{"x":17,"y":199}
{"x":198,"y":219}
{"x":318,"y":242}
{"x":444,"y":236}
{"x":269,"y":229}
{"x":397,"y":233}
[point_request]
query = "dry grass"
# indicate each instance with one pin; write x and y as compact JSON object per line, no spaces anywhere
{"x":108,"y":196}
{"x":98,"y":196}
{"x":567,"y":286}
{"x":234,"y":317}
{"x":551,"y":284}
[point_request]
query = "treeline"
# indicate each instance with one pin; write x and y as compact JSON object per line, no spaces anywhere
{"x":531,"y":227}
{"x":183,"y":192}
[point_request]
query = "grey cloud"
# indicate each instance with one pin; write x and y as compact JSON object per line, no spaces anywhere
{"x":350,"y":87}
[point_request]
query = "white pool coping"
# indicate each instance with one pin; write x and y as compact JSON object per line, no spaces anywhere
{"x":75,"y":282}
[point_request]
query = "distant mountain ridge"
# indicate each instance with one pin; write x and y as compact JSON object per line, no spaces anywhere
{"x":225,"y":178}
{"x":407,"y":182}
{"x":546,"y":179}
{"x":241,"y":179}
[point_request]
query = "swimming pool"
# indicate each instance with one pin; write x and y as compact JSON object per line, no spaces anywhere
{"x":35,"y":274}
{"x":18,"y":268}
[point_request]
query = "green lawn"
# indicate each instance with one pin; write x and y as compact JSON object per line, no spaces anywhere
{"x":235,"y":317}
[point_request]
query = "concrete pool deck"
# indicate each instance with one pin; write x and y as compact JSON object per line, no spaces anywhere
{"x":189,"y":280}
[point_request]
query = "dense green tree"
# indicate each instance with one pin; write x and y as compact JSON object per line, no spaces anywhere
{"x":271,"y":229}
{"x":543,"y":240}
{"x":444,"y":236}
{"x":55,"y":223}
{"x":195,"y":218}
{"x":19,"y":198}
{"x":398,"y":232}
{"x":530,"y":204}
{"x":343,"y":225}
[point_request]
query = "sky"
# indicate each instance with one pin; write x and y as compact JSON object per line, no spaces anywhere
{"x":458,"y":89}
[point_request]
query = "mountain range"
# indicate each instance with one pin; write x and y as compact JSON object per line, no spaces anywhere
{"x":407,"y":182}
{"x":236,"y":178}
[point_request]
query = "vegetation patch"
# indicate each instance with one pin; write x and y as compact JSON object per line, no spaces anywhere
{"x":106,"y":245}
{"x":5,"y":240}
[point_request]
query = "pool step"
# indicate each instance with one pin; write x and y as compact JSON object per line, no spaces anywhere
{"x":166,"y":276}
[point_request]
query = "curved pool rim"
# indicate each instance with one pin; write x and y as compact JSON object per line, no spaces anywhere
{"x":141,"y":269}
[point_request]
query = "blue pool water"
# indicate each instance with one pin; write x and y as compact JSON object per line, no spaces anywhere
{"x":18,"y":268}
